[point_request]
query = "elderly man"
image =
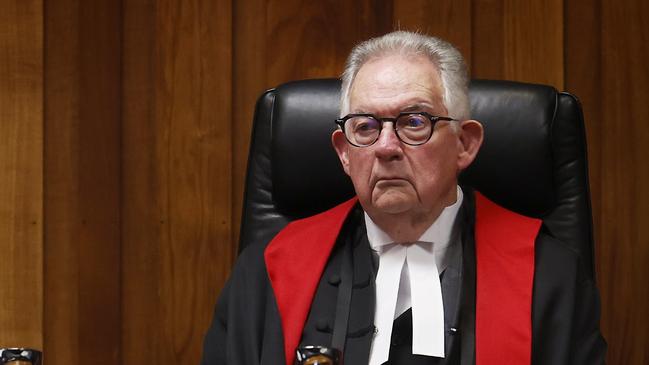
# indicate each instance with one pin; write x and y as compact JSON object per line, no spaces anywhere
{"x":393,"y":279}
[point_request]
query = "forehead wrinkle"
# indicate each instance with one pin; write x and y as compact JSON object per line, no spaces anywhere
{"x":397,"y":104}
{"x":385,"y":85}
{"x":394,"y":97}
{"x":410,"y":107}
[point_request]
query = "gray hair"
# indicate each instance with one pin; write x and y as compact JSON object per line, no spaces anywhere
{"x":445,"y":57}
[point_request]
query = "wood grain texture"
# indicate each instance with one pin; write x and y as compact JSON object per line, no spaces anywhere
{"x":142,"y":189}
{"x":624,"y":250}
{"x":82,"y":182}
{"x":311,"y":39}
{"x":528,"y":33}
{"x":533,"y":36}
{"x":487,"y":39}
{"x":99,"y":181}
{"x":177,"y":175}
{"x":21,"y":177}
{"x":62,"y":316}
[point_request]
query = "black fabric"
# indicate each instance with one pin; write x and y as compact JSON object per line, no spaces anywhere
{"x":318,"y":328}
{"x":401,"y":346}
{"x":246,"y":328}
{"x":466,"y":324}
{"x":344,"y":295}
{"x":533,"y":160}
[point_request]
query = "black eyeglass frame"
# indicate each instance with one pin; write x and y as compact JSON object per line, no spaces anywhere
{"x":433,"y":120}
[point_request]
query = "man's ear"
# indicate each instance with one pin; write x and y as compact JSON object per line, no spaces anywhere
{"x":471,"y":135}
{"x":342,"y":148}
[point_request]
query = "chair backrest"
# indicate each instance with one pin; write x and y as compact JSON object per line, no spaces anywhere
{"x":533,"y":160}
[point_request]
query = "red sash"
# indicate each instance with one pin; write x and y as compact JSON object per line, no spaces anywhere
{"x":504,"y":243}
{"x":296,"y":257}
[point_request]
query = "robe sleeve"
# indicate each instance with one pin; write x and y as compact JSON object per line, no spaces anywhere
{"x":215,"y":343}
{"x":245,"y":328}
{"x":566,"y":308}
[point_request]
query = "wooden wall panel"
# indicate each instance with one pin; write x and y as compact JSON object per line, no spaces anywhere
{"x":61,"y":171}
{"x":624,"y":248}
{"x":142,"y":188}
{"x":176,"y":175}
{"x":21,"y":177}
{"x":528,"y":33}
{"x":487,"y":46}
{"x":99,"y":181}
{"x":533,"y":39}
{"x":311,"y":39}
{"x":82,"y":179}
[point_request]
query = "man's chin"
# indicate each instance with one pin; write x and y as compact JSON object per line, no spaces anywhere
{"x":392,"y":204}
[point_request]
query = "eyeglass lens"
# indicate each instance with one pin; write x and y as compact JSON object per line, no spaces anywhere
{"x":410,"y":128}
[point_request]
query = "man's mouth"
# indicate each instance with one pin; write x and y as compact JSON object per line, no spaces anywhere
{"x":391,"y":181}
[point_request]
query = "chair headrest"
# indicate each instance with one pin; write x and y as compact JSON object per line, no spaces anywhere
{"x":304,"y":160}
{"x":514,"y":166}
{"x":533,"y":160}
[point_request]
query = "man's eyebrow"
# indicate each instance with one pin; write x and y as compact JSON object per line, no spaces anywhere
{"x":359,"y":111}
{"x":417,"y":107}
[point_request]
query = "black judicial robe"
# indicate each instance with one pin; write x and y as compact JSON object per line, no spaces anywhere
{"x":563,"y":317}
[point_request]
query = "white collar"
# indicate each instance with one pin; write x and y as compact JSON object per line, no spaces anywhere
{"x":440,"y":232}
{"x":418,"y":266}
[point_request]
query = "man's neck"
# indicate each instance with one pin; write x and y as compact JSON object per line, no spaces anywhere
{"x":405,"y":228}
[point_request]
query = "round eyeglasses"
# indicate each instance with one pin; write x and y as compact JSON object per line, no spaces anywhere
{"x":412,"y":128}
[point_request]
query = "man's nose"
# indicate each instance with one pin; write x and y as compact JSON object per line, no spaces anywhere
{"x":388,"y":146}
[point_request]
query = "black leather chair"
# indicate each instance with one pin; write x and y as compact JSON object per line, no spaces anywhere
{"x":533,"y":160}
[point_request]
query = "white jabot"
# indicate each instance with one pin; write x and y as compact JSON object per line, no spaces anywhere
{"x":409,"y":277}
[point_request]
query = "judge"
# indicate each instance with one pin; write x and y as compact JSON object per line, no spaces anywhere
{"x":392,"y":276}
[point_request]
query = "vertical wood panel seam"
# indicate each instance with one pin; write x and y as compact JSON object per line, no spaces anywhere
{"x":120,"y":191}
{"x":598,"y":131}
{"x":77,"y":163}
{"x":43,"y":176}
{"x":234,"y":231}
{"x":562,"y":44}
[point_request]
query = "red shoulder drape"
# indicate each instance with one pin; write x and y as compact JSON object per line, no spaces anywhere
{"x":296,"y":257}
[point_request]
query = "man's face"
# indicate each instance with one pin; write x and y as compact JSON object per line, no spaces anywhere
{"x":390,"y":177}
